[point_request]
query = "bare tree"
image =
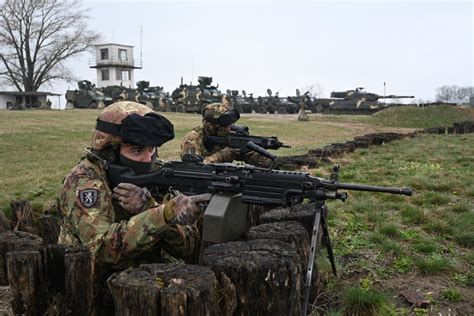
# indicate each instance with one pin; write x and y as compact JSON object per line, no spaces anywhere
{"x":463,"y":93}
{"x":446,"y":93}
{"x":315,"y":90}
{"x":37,"y":37}
{"x":454,"y":93}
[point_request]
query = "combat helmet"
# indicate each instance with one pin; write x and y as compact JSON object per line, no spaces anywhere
{"x":133,"y":123}
{"x":219,"y":113}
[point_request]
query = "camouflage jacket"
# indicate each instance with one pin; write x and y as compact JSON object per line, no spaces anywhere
{"x":194,"y":143}
{"x":115,"y":237}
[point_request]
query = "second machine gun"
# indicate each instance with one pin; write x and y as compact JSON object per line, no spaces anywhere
{"x":235,"y":186}
{"x":239,"y":137}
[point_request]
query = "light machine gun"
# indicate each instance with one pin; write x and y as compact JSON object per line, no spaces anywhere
{"x":239,"y":137}
{"x":234,"y":186}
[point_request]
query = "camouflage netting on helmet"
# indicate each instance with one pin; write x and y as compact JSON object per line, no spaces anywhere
{"x":116,"y":113}
{"x":214,"y":110}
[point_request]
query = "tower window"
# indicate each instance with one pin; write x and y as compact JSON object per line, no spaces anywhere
{"x":123,"y":74}
{"x":104,"y":53}
{"x":123,"y":54}
{"x":105,"y":75}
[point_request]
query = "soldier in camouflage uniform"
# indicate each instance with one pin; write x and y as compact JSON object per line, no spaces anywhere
{"x":126,"y":225}
{"x":196,"y":142}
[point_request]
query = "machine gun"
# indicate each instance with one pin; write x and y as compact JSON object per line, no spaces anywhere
{"x":239,"y":137}
{"x":234,"y":186}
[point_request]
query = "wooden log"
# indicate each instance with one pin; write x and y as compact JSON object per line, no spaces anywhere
{"x":5,"y":223}
{"x":47,"y":227}
{"x":78,"y":280}
{"x":15,"y":241}
{"x":297,"y":161}
{"x":22,"y":216}
{"x":291,"y":232}
{"x":165,"y":289}
{"x":266,"y":274}
{"x":294,"y":233}
{"x":255,"y":211}
{"x":26,"y":278}
{"x":302,"y":213}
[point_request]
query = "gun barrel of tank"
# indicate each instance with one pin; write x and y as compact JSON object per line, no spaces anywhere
{"x":339,"y":94}
{"x":398,"y":97}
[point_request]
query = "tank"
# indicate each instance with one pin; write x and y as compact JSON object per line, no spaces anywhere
{"x":355,"y":101}
{"x":241,"y":102}
{"x":86,"y":96}
{"x":154,"y":97}
{"x":191,"y":98}
{"x":275,"y":104}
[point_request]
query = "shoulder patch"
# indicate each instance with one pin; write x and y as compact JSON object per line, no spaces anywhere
{"x":88,"y":197}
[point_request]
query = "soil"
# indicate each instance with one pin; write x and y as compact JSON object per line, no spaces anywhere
{"x":430,"y":288}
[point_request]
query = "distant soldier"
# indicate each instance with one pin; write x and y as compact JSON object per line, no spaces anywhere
{"x":216,"y":121}
{"x":126,"y":225}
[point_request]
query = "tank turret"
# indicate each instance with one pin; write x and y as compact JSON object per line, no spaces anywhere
{"x":356,"y":101}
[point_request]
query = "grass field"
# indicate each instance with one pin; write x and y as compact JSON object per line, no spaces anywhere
{"x":383,"y":244}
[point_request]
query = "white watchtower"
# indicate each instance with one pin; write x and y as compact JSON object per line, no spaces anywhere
{"x":115,"y":65}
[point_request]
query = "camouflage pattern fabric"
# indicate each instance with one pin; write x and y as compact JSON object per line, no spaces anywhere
{"x":115,"y":237}
{"x":193,"y":143}
{"x":215,"y":109}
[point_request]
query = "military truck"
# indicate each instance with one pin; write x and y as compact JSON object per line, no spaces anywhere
{"x":154,"y":97}
{"x":305,"y":99}
{"x":87,"y":96}
{"x":241,"y":103}
{"x":275,"y":104}
{"x":191,"y":98}
{"x":120,"y":93}
{"x":355,"y":101}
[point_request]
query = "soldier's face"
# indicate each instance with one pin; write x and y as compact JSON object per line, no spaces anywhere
{"x":216,"y":129}
{"x":137,"y":152}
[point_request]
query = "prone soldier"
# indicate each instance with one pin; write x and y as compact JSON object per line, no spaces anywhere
{"x":217,"y":119}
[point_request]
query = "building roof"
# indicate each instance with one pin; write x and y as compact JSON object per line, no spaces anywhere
{"x":116,"y":44}
{"x":37,"y":93}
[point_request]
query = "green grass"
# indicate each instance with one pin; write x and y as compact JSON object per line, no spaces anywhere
{"x":410,"y":117}
{"x":362,"y":301}
{"x":430,"y":234}
{"x":451,"y":295}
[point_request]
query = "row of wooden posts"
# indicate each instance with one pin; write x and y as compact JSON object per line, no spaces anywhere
{"x":262,"y":274}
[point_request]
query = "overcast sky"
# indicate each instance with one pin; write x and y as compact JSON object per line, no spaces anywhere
{"x":413,"y":46}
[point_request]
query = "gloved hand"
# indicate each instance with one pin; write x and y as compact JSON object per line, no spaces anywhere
{"x":224,"y":155}
{"x":132,"y":198}
{"x":184,"y":209}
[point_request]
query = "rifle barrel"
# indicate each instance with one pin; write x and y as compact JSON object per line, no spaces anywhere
{"x":372,"y":188}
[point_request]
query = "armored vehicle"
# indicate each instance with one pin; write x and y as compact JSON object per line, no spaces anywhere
{"x":355,"y":101}
{"x":119,"y":93}
{"x":275,"y":104}
{"x":305,"y":99}
{"x":153,"y":97}
{"x":191,"y":98}
{"x":240,"y":102}
{"x":86,"y":96}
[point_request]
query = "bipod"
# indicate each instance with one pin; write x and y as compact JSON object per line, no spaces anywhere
{"x":320,"y":220}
